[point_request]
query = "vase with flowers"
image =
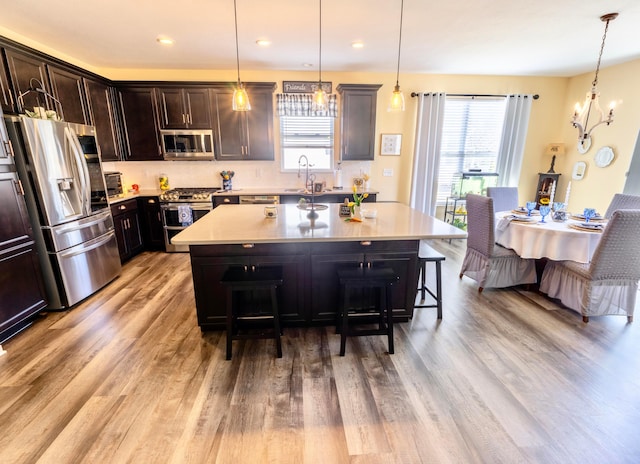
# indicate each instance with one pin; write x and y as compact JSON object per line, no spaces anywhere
{"x":356,"y":203}
{"x":226,"y":179}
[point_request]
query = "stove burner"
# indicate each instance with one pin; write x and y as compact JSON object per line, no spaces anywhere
{"x":188,"y":195}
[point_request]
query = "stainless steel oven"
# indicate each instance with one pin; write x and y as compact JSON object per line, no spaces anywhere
{"x":194,"y":202}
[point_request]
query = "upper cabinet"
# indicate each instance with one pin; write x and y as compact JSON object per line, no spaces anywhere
{"x":358,"y":121}
{"x":185,"y":108}
{"x":28,"y":72}
{"x":6,"y":98}
{"x":141,"y":136}
{"x":68,"y":89}
{"x":245,"y":135}
{"x":101,"y":103}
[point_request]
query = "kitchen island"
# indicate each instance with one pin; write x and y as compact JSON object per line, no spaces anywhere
{"x":309,"y":251}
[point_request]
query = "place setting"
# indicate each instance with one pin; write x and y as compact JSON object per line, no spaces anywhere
{"x":592,"y":221}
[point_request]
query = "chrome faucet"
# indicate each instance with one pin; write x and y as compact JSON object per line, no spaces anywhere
{"x":307,"y":178}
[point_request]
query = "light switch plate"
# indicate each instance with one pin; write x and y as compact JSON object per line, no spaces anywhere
{"x":387,"y":172}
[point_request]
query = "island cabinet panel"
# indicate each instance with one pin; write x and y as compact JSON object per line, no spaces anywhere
{"x":209,"y":263}
{"x":327,"y":258}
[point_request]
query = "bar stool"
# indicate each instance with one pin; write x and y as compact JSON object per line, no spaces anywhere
{"x":241,"y":282}
{"x":380,"y":279}
{"x":426,"y":254}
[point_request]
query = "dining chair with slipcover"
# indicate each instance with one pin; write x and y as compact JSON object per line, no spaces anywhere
{"x":608,"y":285}
{"x":486,"y":262}
{"x":504,"y":198}
{"x":622,"y":201}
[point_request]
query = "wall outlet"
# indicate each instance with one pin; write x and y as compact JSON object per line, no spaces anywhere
{"x":387,"y":172}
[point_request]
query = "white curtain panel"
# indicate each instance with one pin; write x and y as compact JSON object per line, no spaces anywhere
{"x":426,"y":158}
{"x":514,"y":134}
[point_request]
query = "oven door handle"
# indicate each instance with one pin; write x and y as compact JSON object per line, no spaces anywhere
{"x":174,"y":207}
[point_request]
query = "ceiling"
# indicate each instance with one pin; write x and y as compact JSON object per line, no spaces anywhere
{"x":500,"y":37}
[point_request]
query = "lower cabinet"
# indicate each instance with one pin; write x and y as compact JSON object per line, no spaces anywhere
{"x":127,"y":227}
{"x":209,"y":263}
{"x":310,"y":292}
{"x":151,"y":223}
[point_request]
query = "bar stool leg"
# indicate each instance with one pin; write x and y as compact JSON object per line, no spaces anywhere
{"x":345,"y":320}
{"x":423,"y":272}
{"x":229,"y":321}
{"x":276,"y":321}
{"x":438,"y":288}
{"x":389,"y":309}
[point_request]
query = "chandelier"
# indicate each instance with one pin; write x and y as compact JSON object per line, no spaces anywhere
{"x":591,"y":106}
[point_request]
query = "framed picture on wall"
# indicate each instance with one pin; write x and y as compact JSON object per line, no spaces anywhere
{"x":391,"y":144}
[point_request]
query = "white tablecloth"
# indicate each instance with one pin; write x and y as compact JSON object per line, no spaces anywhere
{"x":553,"y":240}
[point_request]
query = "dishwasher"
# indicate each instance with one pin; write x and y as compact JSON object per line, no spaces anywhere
{"x":259,"y":199}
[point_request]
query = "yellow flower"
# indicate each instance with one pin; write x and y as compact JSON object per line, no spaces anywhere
{"x":365,"y":195}
{"x":354,"y":188}
{"x":544,"y":201}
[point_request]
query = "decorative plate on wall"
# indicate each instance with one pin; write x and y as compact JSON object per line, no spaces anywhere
{"x":604,"y":157}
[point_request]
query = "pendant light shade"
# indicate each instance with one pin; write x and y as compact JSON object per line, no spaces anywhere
{"x":319,"y":102}
{"x":397,"y":99}
{"x":240,"y":97}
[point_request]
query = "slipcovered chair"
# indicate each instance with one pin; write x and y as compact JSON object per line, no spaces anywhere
{"x":486,"y":262}
{"x":609,"y":283}
{"x":622,"y":201}
{"x":504,"y":198}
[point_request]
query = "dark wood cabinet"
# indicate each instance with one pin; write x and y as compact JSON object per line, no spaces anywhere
{"x":545,"y":184}
{"x":21,"y":287}
{"x":185,"y":108}
{"x":210,"y":263}
{"x":151,"y":222}
{"x":101,"y":103}
{"x":127,"y":227}
{"x":68,"y":88}
{"x":226,"y":200}
{"x":328,"y":258}
{"x":358,"y":121}
{"x":27,"y":72}
{"x":6,"y":97}
{"x":245,"y":135}
{"x":139,"y":120}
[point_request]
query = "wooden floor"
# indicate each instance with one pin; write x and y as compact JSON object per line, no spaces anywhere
{"x":506,"y":377}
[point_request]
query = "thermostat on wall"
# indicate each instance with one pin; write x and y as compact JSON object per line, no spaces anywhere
{"x":578,"y":170}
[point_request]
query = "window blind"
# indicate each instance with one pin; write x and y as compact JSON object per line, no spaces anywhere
{"x":312,"y":137}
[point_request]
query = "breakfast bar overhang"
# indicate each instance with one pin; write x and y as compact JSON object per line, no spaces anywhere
{"x":310,"y":250}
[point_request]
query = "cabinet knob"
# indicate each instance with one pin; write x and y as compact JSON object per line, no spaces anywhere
{"x":226,"y":200}
{"x":365,"y":243}
{"x":122,"y":207}
{"x":151,"y":201}
{"x":248,"y":245}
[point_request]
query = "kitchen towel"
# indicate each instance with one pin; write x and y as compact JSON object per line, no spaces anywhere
{"x":185,"y":215}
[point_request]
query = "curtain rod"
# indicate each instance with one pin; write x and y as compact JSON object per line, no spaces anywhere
{"x":417,"y":94}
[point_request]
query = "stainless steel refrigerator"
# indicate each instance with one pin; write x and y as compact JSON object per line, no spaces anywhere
{"x":60,"y":168}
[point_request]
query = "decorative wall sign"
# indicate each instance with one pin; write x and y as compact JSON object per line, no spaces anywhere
{"x":391,"y":144}
{"x":304,"y":86}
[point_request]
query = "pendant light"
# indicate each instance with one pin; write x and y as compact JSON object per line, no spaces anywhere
{"x":591,"y":105}
{"x":397,"y":99}
{"x":320,"y":96}
{"x":240,"y":97}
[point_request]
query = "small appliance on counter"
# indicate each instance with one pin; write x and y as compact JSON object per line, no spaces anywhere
{"x":113,"y":180}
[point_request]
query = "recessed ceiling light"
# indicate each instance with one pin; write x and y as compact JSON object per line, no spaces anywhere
{"x":307,"y":65}
{"x":164,"y":40}
{"x":263,"y":42}
{"x":357,"y":44}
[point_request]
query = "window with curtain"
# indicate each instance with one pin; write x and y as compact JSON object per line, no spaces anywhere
{"x":471,"y":136}
{"x":310,"y":136}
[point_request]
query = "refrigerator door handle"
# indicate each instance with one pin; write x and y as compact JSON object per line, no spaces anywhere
{"x":98,"y":242}
{"x":103,"y":217}
{"x":78,"y":154}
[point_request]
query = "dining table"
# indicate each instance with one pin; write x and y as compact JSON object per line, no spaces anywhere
{"x":570,"y":240}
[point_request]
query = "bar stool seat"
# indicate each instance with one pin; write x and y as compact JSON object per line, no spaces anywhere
{"x":381,"y":280}
{"x":244,"y":312}
{"x":426,"y":254}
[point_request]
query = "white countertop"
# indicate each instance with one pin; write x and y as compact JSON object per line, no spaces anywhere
{"x":235,"y":224}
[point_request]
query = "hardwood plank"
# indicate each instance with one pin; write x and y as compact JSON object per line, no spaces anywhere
{"x":505,"y":376}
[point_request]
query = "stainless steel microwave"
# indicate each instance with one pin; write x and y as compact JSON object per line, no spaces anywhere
{"x":187,"y":144}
